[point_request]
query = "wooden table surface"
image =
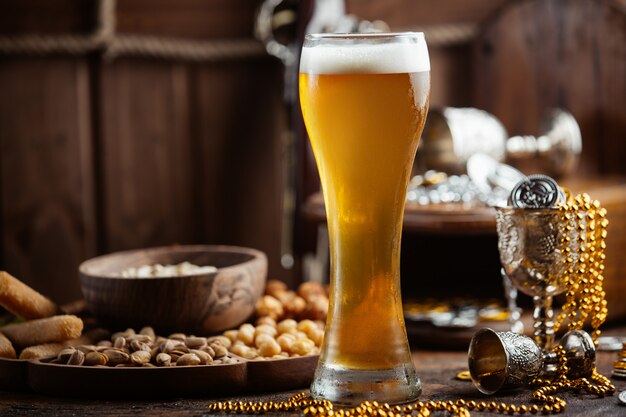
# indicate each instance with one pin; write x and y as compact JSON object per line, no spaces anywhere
{"x":435,"y":368}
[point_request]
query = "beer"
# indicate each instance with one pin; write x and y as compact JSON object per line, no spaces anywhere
{"x":364,"y":106}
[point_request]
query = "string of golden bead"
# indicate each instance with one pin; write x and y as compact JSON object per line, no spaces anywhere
{"x":585,"y":297}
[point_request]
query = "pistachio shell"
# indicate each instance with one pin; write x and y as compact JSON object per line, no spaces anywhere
{"x":220,"y":350}
{"x":119,"y":342}
{"x":95,"y":358}
{"x":193,"y":342}
{"x":77,"y":358}
{"x":205,"y":358}
{"x":65,"y":354}
{"x":140,"y":357}
{"x":116,"y":357}
{"x":148,"y":331}
{"x":188,"y":359}
{"x":163,"y":359}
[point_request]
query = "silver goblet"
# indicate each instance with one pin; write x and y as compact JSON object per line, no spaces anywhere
{"x":534,"y":246}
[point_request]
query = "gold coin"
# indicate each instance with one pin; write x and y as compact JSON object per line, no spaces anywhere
{"x":619,"y":365}
{"x":464,"y":376}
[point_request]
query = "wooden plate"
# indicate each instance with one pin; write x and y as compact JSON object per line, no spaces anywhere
{"x":185,"y":381}
{"x":107,"y":382}
{"x":14,"y":375}
{"x":281,"y":374}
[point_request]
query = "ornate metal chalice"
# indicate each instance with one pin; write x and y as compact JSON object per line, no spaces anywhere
{"x":531,"y":243}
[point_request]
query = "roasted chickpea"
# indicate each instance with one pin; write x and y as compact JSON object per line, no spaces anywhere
{"x":269,"y":306}
{"x":285,"y":341}
{"x":308,"y":289}
{"x":317,"y":336}
{"x":303,"y":347}
{"x":267,"y":329}
{"x":316,"y":308}
{"x":286,"y":326}
{"x":246,"y":334}
{"x":273,"y":286}
{"x":262,"y":338}
{"x":266,"y":320}
{"x":269,"y":348}
{"x":295,"y":306}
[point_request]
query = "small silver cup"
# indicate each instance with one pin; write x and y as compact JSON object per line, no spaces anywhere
{"x":506,"y":360}
{"x":502,"y":360}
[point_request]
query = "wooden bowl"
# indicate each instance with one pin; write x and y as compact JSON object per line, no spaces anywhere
{"x":199,"y":304}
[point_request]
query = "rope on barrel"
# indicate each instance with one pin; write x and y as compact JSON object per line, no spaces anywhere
{"x":104,"y":39}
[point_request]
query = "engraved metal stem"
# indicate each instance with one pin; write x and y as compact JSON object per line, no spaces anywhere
{"x":544,"y":321}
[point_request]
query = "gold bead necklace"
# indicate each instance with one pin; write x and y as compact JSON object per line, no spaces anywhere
{"x":585,"y":302}
{"x":585,"y":297}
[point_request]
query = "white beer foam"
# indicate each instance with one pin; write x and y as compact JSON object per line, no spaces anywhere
{"x":388,"y":58}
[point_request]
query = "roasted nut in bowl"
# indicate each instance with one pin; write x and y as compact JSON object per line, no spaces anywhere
{"x":200,"y":304}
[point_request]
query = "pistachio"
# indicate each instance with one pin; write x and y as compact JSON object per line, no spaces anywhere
{"x":148,"y":365}
{"x":141,"y":338}
{"x":105,"y":343}
{"x":148,"y":331}
{"x":178,"y":336}
{"x":136,"y":345}
{"x":163,"y":359}
{"x":125,"y":334}
{"x":193,"y":342}
{"x":65,"y":354}
{"x":87,"y":348}
{"x":181,"y":348}
{"x":220,"y":350}
{"x":116,"y":357}
{"x":208,"y":349}
{"x":140,"y":357}
{"x":95,"y":358}
{"x":77,"y":358}
{"x":119,"y":342}
{"x":168,"y":346}
{"x":154,"y":352}
{"x":205,"y":358}
{"x":188,"y":359}
{"x":222,"y":340}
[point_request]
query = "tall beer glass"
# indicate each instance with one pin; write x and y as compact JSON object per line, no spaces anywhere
{"x":364,"y":99}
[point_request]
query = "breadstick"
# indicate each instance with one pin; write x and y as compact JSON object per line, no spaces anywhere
{"x":6,"y":348}
{"x":41,"y":351}
{"x":22,"y":300}
{"x":49,"y":349}
{"x":36,"y":332}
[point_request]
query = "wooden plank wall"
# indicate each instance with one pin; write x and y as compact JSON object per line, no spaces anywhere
{"x":46,"y":172}
{"x":101,"y":156}
{"x":571,"y":54}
